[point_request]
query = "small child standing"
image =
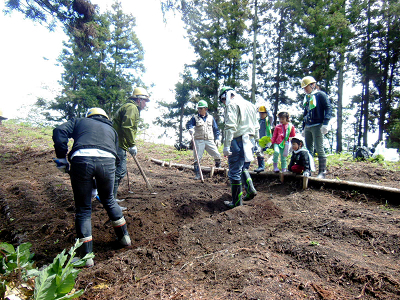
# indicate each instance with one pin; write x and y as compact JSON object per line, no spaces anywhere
{"x":301,"y":161}
{"x":265,"y":135}
{"x":280,"y":141}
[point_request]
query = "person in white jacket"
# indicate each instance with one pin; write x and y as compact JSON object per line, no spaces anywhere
{"x":240,"y":135}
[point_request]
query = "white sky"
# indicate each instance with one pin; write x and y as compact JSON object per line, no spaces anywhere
{"x":25,"y":71}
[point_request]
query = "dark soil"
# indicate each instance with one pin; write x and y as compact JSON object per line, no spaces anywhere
{"x":286,"y":243}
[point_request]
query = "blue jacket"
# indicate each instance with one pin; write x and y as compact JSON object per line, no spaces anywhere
{"x":321,"y":114}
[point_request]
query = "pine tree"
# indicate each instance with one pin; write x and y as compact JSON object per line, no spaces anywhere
{"x":104,"y":76}
{"x":178,"y":111}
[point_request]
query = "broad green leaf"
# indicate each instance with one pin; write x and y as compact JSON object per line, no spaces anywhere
{"x":45,"y":286}
{"x":7,"y":248}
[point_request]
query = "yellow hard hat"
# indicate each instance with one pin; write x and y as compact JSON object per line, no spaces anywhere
{"x":262,"y":109}
{"x":96,"y":111}
{"x":1,"y":116}
{"x":307,"y":80}
{"x":140,"y":93}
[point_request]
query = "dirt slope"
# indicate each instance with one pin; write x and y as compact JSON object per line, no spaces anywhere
{"x":287,"y":243}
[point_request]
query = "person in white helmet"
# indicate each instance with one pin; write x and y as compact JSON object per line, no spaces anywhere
{"x":317,"y":113}
{"x":93,"y":156}
{"x":125,"y":122}
{"x":206,"y":136}
{"x":240,"y":137}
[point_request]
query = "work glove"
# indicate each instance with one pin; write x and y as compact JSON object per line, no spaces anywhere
{"x":62,"y":164}
{"x":227,"y":151}
{"x":324,"y":129}
{"x":191,"y":131}
{"x":306,"y":174}
{"x":217,"y":143}
{"x":264,"y":141}
{"x":133,"y":150}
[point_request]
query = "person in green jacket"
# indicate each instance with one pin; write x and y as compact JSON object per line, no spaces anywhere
{"x":125,"y":122}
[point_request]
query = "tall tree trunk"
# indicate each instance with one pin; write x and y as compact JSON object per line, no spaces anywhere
{"x":361,"y":116}
{"x":281,"y":33}
{"x":253,"y":74}
{"x":367,"y":71}
{"x":339,"y":137}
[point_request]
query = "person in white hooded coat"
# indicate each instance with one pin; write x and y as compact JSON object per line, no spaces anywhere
{"x":240,"y":135}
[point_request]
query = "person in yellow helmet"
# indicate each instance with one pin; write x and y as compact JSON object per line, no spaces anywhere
{"x":93,"y":157}
{"x":125,"y":122}
{"x":265,"y":134}
{"x":317,"y":113}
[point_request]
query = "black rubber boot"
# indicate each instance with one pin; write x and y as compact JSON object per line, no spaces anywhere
{"x":121,"y":232}
{"x":261,"y":164}
{"x":248,"y":186}
{"x":236,"y":188}
{"x":218,"y":163}
{"x":322,"y":167}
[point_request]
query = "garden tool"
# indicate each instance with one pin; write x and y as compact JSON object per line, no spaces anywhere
{"x":144,"y":176}
{"x":129,"y":185}
{"x":197,"y":158}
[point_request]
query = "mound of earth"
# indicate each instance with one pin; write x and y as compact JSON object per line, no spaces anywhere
{"x":286,"y":243}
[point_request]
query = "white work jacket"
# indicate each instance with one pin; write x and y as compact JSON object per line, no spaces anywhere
{"x":240,"y":119}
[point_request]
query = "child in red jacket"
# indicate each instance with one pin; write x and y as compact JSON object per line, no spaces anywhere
{"x":280,"y":140}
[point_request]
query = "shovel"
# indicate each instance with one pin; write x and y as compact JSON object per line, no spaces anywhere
{"x":197,"y":158}
{"x":129,"y":185}
{"x":144,"y":176}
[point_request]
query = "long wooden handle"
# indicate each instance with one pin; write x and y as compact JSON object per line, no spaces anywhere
{"x":197,"y":158}
{"x":144,"y":175}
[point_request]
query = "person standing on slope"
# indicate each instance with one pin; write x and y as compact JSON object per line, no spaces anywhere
{"x":125,"y":122}
{"x":93,"y":156}
{"x":241,"y":134}
{"x":317,"y":113}
{"x":205,"y":131}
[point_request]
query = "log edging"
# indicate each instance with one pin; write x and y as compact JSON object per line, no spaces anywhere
{"x":340,"y":184}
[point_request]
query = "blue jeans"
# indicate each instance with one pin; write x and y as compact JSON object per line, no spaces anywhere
{"x":83,"y":170}
{"x":120,"y":171}
{"x":236,"y":161}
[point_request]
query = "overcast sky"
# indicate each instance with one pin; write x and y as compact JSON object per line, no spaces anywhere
{"x":30,"y":51}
